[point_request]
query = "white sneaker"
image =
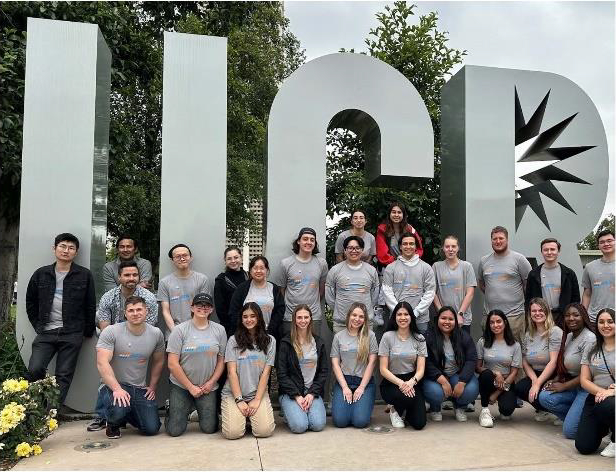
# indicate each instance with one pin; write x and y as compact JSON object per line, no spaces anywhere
{"x":542,"y":416}
{"x":436,"y":416}
{"x":610,"y":450}
{"x":460,"y":415}
{"x":396,"y":421}
{"x":519,"y":403}
{"x":193,"y":417}
{"x":485,"y":418}
{"x":504,"y":417}
{"x":447,"y":405}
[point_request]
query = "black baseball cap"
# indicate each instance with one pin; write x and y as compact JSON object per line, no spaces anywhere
{"x":203,"y":299}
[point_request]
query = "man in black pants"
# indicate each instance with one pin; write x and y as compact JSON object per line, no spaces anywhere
{"x":61,"y":305}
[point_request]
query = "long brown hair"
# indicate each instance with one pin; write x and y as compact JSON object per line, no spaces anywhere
{"x":244,"y":339}
{"x":389,"y":226}
{"x":297,"y":345}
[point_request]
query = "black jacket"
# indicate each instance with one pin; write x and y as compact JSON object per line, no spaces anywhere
{"x":569,"y":288}
{"x":289,"y":374}
{"x":433,"y":371}
{"x":225,"y":285}
{"x":237,"y":302}
{"x":78,"y":299}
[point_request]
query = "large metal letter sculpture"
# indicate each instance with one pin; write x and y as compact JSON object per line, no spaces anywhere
{"x":194,"y":166}
{"x":64,"y":165}
{"x":522,"y":149}
{"x":351,"y":91}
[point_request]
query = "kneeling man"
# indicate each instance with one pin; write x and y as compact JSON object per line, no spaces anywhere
{"x":123,"y":352}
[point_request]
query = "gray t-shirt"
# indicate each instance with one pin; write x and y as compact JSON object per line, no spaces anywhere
{"x":504,"y":278}
{"x":451,"y":366}
{"x":179,"y":292}
{"x":347,"y":284}
{"x":249,"y":366}
{"x":55,"y":315}
{"x":536,"y":349}
{"x":308,"y":363}
{"x":500,"y":357}
{"x":451,"y":285}
{"x":301,"y":281}
{"x":369,"y":243}
{"x":402,"y":354}
{"x":198,"y":350}
{"x":574,"y":349}
{"x":598,"y":370}
{"x":131,"y":353}
{"x":345,"y":348}
{"x":110,"y":272}
{"x":264,"y":297}
{"x":550,"y":285}
{"x":599,"y":277}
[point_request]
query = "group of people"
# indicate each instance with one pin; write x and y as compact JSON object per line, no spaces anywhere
{"x":542,"y":343}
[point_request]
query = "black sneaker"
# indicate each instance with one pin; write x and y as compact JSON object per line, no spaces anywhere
{"x":97,"y":424}
{"x":113,"y":432}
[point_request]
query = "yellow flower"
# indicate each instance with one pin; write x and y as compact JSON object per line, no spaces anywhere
{"x":52,"y":423}
{"x":36,"y":449}
{"x":10,"y":416}
{"x":23,"y":449}
{"x":14,"y":386}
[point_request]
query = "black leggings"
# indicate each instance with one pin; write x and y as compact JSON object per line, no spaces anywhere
{"x":506,"y":400}
{"x":522,"y":388}
{"x":596,"y":420}
{"x":415,"y":407}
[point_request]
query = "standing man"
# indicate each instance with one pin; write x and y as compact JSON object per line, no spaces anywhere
{"x":176,"y":291}
{"x":410,"y":279}
{"x":127,"y":248}
{"x":552,"y":281}
{"x":302,"y":277}
{"x":502,"y":278}
{"x":61,"y":304}
{"x":598,"y":277}
{"x":123,"y":353}
{"x":349,"y":281}
{"x":358,"y":221}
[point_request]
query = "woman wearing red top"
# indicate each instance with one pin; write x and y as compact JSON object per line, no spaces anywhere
{"x":388,"y":233}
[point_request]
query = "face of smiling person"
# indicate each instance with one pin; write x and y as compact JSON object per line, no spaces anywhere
{"x":549,"y":251}
{"x":403,"y":318}
{"x":606,"y":244}
{"x":450,"y":248}
{"x":499,"y":242}
{"x":202,"y":310}
{"x":353,"y":251}
{"x":497,"y":325}
{"x":573,"y":319}
{"x":358,"y":220}
{"x":233,"y":260}
{"x":357,"y":318}
{"x":537,"y":315}
{"x":446,"y":322}
{"x":302,"y":319}
{"x":258,"y":271}
{"x":135,"y":313}
{"x":126,"y":249}
{"x":307,"y":243}
{"x":181,"y":257}
{"x":605,"y":325}
{"x":396,"y":215}
{"x":129,"y":278}
{"x":250,"y":319}
{"x":407,"y":247}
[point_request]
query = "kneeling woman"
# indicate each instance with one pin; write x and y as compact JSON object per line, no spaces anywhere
{"x":597,"y":378}
{"x":196,"y":350}
{"x":402,"y":360}
{"x":499,"y":356}
{"x":302,"y":369}
{"x":450,"y":369}
{"x":249,"y":356}
{"x":354,"y":352}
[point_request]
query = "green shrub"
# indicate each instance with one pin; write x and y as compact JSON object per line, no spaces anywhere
{"x":11,"y":364}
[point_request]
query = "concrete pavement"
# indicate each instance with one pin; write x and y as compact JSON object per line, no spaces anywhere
{"x":520,"y":444}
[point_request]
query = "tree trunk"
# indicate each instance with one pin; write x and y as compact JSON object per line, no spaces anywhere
{"x":9,"y":242}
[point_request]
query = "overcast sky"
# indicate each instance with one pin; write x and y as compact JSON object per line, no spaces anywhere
{"x":573,"y":39}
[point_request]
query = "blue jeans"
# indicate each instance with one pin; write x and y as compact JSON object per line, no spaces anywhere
{"x":567,"y":405}
{"x":141,"y":413}
{"x":357,"y":413}
{"x":300,"y":421}
{"x":435,"y":396}
{"x":102,"y":402}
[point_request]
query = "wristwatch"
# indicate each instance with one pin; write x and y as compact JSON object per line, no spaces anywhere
{"x":239,"y":399}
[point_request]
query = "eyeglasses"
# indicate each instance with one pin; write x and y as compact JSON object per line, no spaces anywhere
{"x":181,"y":257}
{"x":65,"y":247}
{"x":353,"y":248}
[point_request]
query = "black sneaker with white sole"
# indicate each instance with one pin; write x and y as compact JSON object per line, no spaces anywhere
{"x":113,"y":432}
{"x":97,"y":424}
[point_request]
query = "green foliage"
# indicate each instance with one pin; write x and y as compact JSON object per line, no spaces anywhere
{"x":25,"y":415}
{"x":590,"y":241}
{"x":419,"y":51}
{"x":11,"y":364}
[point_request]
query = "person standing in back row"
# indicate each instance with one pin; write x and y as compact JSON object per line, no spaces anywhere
{"x":358,"y":221}
{"x":598,"y":277}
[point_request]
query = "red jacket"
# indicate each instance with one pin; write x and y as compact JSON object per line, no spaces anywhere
{"x":384,"y":256}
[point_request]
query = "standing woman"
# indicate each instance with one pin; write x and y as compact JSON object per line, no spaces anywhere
{"x":402,"y":360}
{"x":302,"y":369}
{"x":249,"y":356}
{"x":539,"y":353}
{"x":564,"y":396}
{"x":455,"y":282}
{"x":354,"y":352}
{"x":225,"y":284}
{"x":597,"y":378}
{"x":388,"y":235}
{"x":263,"y":292}
{"x":499,"y":356}
{"x":450,"y":369}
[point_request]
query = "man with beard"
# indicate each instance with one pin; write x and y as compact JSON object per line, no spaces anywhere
{"x":127,"y":248}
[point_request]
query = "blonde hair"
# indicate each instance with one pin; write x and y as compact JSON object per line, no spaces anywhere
{"x":549,"y":321}
{"x":363,"y":336}
{"x":297,"y":345}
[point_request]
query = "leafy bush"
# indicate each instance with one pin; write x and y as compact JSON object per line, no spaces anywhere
{"x":25,"y":417}
{"x":11,"y":364}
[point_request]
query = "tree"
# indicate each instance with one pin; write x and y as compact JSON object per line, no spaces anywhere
{"x":420,"y":52}
{"x":590,"y":241}
{"x":262,"y":52}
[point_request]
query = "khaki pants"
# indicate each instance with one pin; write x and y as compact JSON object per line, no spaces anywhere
{"x":234,"y":423}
